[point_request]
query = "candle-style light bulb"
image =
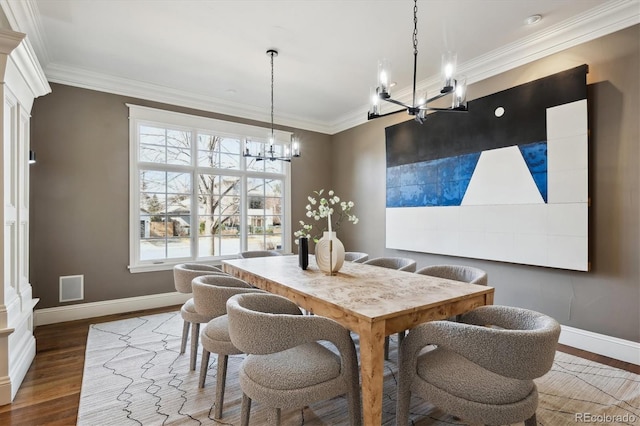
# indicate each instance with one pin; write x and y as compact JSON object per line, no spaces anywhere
{"x":384,"y":76}
{"x":449,"y":61}
{"x":374,"y":104}
{"x":460,"y":95}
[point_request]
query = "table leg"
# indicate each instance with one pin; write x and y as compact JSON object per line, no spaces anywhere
{"x":372,"y":372}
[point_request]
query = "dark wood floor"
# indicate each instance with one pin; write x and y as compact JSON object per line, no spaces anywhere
{"x":50,"y":392}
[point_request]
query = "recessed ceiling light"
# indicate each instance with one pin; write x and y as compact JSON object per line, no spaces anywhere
{"x":533,"y":19}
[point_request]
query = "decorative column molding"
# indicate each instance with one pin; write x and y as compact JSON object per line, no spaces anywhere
{"x":21,"y":81}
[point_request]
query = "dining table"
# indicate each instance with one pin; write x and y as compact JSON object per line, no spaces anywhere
{"x":371,"y":301}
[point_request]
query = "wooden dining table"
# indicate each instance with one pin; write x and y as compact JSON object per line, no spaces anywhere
{"x":371,"y":301}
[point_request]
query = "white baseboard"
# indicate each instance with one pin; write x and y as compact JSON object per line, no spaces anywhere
{"x":612,"y":347}
{"x":108,"y":307}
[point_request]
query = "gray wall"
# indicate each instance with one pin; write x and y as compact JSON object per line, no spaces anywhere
{"x":605,"y":300}
{"x":80,"y":193}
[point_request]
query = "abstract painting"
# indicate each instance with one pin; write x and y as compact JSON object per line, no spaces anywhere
{"x":506,"y":181}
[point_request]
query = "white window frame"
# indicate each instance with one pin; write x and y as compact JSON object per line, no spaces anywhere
{"x":151,"y":116}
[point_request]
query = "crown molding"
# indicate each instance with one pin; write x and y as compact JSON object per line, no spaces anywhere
{"x":23,"y":16}
{"x":27,"y":64}
{"x":85,"y":79}
{"x":607,"y":18}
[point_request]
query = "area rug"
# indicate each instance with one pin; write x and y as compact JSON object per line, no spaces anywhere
{"x":134,"y":375}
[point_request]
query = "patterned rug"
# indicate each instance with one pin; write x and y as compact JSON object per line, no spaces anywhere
{"x":134,"y":375}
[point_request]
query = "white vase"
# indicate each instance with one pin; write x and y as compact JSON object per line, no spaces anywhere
{"x":329,"y":253}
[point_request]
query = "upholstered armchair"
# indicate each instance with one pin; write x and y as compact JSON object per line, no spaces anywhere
{"x":467,"y":274}
{"x":356,"y":256}
{"x":258,"y":253}
{"x":183,"y":274}
{"x":399,"y":263}
{"x":210,"y":295}
{"x":482,"y":368}
{"x":286,"y":367}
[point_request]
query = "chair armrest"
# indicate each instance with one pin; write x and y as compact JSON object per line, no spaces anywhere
{"x":522,"y":354}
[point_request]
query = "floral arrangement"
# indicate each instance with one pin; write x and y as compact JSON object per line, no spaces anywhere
{"x":332,"y":209}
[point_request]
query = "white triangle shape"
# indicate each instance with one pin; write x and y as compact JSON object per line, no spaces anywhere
{"x":502,"y":177}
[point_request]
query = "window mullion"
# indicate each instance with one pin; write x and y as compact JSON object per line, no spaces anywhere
{"x":230,"y":168}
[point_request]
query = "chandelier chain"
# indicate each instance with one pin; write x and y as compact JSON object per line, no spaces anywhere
{"x":415,"y":27}
{"x":272,"y":138}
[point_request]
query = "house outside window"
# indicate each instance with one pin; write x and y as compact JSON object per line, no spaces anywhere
{"x":194,"y":197}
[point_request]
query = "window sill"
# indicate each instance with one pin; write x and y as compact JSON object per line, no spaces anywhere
{"x":168,"y":266}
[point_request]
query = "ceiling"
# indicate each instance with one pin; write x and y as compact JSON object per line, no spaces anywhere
{"x":211,"y":54}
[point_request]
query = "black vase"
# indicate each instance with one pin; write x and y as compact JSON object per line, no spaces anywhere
{"x":303,"y":252}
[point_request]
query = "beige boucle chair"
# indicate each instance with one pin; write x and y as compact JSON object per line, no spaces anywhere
{"x":210,"y":295}
{"x":183,"y":274}
{"x":467,"y":274}
{"x":356,"y":256}
{"x":401,"y":264}
{"x":476,"y":373}
{"x":286,"y":367}
{"x":258,"y":253}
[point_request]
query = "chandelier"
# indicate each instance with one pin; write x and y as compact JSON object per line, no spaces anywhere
{"x":269,"y":149}
{"x":452,"y":86}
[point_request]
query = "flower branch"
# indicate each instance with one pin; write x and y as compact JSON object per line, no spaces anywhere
{"x":330,"y":208}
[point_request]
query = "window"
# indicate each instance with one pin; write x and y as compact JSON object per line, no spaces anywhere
{"x":193,"y":196}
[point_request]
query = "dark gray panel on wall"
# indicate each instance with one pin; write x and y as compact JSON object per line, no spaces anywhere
{"x":524,"y":121}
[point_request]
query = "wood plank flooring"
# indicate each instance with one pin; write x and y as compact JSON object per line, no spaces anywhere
{"x":50,"y":392}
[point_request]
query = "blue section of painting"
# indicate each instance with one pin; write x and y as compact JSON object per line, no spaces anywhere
{"x":535,"y":156}
{"x":444,"y":181}
{"x":440,"y":182}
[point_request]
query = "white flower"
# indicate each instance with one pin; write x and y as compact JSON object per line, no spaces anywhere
{"x":324,"y":210}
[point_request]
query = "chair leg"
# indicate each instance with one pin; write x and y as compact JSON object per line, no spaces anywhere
{"x":400,"y":338}
{"x":195,"y":336}
{"x":185,"y":335}
{"x":204,"y":366}
{"x":220,"y":383}
{"x":531,"y":421}
{"x":403,"y":395}
{"x":245,"y":410}
{"x":355,"y":408}
{"x":386,"y":348}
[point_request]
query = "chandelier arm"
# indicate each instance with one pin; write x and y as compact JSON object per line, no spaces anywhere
{"x":433,"y":98}
{"x":371,"y":116}
{"x":461,"y":108}
{"x":393,"y":101}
